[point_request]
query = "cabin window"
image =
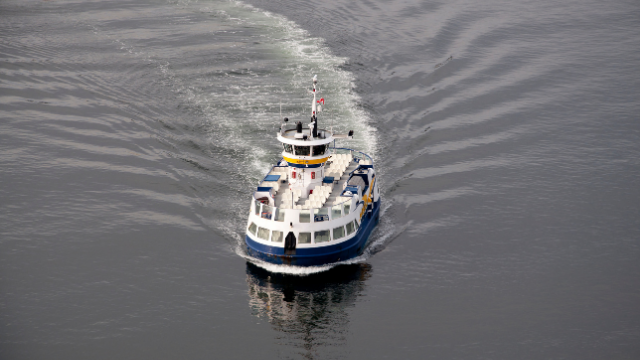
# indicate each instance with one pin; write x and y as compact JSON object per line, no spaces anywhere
{"x":304,"y":238}
{"x":276,"y":236}
{"x":336,"y":211}
{"x":338,"y":232}
{"x":263,"y":233}
{"x":279,"y":215}
{"x":288,"y":148}
{"x":267,"y":211}
{"x":319,"y":150}
{"x":355,"y":222}
{"x":350,"y":228}
{"x":347,"y":207}
{"x":321,"y":214}
{"x":252,"y":228}
{"x":305,"y":216}
{"x":302,"y":150}
{"x":321,"y":236}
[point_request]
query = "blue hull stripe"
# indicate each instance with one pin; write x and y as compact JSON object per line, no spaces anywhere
{"x":319,"y":256}
{"x":304,"y":166}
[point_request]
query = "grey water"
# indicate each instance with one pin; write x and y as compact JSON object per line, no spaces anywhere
{"x":506,"y":136}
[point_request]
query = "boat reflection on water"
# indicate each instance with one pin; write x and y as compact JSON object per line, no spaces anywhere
{"x":311,"y":311}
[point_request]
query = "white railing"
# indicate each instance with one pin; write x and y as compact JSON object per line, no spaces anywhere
{"x":289,"y":129}
{"x":359,"y":155}
{"x":312,"y":215}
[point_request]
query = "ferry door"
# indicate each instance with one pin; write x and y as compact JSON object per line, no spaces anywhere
{"x":290,"y":244}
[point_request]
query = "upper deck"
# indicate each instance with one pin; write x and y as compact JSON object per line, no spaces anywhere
{"x":339,"y":169}
{"x":288,"y":136}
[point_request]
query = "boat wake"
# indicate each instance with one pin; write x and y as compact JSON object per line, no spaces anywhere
{"x":228,"y":102}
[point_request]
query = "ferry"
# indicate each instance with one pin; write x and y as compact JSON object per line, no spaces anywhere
{"x":318,"y":204}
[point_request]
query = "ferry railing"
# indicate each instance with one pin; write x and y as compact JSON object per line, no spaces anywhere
{"x":322,"y":133}
{"x":355,"y":153}
{"x":322,"y":214}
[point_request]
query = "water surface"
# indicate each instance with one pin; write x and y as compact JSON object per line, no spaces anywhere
{"x":506,"y":137}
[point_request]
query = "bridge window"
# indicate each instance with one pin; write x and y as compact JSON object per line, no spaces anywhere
{"x":320,"y":149}
{"x":302,"y":150}
{"x":276,"y":236}
{"x":338,"y":232}
{"x":347,"y":208}
{"x":288,"y":148}
{"x":321,"y":236}
{"x":304,"y":238}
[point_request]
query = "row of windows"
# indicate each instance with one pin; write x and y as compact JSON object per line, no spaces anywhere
{"x":321,"y":214}
{"x":306,"y":150}
{"x":305,"y":237}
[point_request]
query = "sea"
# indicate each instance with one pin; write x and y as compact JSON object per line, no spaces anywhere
{"x":505,"y":134}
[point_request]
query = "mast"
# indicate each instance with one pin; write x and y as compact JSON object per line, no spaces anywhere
{"x":313,"y":103}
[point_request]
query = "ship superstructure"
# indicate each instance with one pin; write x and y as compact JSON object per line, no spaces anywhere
{"x":318,"y":204}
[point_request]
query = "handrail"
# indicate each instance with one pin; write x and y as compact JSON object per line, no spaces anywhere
{"x":288,"y":209}
{"x":322,"y":133}
{"x":270,"y":215}
{"x":359,"y":152}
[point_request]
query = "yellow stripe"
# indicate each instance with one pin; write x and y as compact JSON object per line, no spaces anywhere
{"x":367,"y":199}
{"x":300,"y":161}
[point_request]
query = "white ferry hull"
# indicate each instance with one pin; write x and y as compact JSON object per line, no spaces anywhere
{"x":319,"y":255}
